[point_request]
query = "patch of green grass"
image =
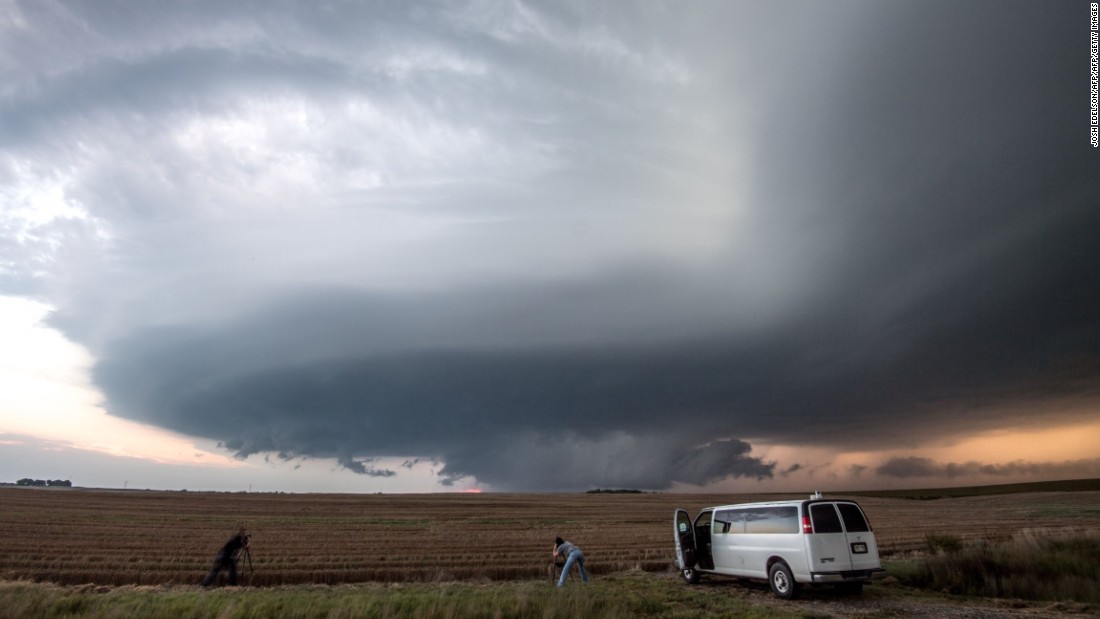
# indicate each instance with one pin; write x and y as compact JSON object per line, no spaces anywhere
{"x":614,"y":597}
{"x":332,"y":521}
{"x":496,"y":522}
{"x":1079,"y":512}
{"x":904,"y":570}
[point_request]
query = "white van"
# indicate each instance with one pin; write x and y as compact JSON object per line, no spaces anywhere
{"x":785,"y":542}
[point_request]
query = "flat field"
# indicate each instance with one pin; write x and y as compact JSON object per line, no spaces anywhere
{"x":104,"y":537}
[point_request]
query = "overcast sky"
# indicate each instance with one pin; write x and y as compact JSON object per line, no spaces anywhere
{"x":411,"y":246}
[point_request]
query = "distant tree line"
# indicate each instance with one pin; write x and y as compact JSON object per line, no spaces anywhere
{"x":27,"y":481}
{"x":614,"y":491}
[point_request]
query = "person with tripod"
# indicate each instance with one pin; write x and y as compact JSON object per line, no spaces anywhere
{"x":571,"y":554}
{"x":226,"y":559}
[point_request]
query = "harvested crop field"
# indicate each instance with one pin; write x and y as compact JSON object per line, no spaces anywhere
{"x":76,"y":536}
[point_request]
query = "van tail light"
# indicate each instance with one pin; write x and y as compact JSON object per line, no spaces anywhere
{"x":806,"y":526}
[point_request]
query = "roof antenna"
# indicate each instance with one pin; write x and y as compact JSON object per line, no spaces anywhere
{"x":816,"y":494}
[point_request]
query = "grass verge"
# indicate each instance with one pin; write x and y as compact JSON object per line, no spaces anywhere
{"x":618,"y":596}
{"x":1032,"y":565}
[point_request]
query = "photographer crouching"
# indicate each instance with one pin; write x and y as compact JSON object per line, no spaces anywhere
{"x":226,"y":559}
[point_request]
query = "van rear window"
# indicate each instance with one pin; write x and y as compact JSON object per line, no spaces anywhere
{"x":854,"y":521}
{"x":825,"y":518}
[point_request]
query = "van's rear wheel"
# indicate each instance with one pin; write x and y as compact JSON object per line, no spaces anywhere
{"x":690,"y":576}
{"x":781,"y":580}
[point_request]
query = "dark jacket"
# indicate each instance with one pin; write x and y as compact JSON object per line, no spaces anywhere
{"x":231,"y":547}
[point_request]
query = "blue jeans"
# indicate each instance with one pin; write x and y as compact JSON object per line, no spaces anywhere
{"x":574,"y":557}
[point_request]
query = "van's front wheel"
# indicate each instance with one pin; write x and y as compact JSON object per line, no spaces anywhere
{"x":690,"y":575}
{"x":781,"y":580}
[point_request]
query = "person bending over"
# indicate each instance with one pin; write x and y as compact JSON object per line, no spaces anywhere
{"x":571,"y":554}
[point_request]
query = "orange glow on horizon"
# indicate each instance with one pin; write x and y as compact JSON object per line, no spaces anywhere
{"x":1067,"y":451}
{"x":1075,"y":442}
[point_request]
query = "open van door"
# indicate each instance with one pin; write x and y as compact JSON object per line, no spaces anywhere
{"x":684,"y":534}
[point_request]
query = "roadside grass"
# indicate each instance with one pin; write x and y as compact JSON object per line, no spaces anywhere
{"x":613,"y":597}
{"x":1034,"y":564}
{"x":616,"y":596}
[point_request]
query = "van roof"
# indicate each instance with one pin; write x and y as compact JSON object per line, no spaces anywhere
{"x":779,"y":503}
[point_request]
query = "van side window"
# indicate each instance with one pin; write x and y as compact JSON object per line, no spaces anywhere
{"x":779,"y":519}
{"x":825,"y":518}
{"x":729,"y":521}
{"x":854,"y":521}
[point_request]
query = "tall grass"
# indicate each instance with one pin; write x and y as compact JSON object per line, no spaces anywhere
{"x":1035,"y":564}
{"x":616,"y":597}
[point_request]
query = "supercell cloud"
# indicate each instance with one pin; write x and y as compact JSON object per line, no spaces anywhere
{"x":558,"y":246}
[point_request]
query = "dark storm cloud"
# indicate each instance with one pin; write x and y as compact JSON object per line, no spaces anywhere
{"x":364,"y":467}
{"x":564,"y":461}
{"x":591,"y":249}
{"x":794,"y":468}
{"x":461,"y":394}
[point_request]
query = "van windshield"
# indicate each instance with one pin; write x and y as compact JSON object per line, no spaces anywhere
{"x":702,"y":522}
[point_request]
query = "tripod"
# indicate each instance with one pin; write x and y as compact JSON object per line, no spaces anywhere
{"x":554,"y":569}
{"x":243,"y":551}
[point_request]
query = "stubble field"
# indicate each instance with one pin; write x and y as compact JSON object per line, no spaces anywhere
{"x":78,"y":536}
